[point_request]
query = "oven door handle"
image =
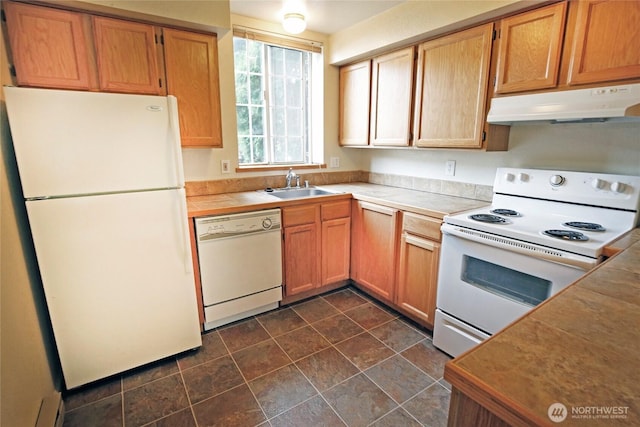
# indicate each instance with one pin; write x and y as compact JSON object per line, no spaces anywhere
{"x":547,"y":254}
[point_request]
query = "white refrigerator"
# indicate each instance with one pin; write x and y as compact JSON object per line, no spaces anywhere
{"x":104,"y":191}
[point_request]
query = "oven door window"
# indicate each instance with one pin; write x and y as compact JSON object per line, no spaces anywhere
{"x":514,"y":285}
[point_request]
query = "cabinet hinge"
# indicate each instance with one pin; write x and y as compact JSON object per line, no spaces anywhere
{"x":484,"y":135}
{"x":3,"y":16}
{"x":12,"y":70}
{"x":162,"y":39}
{"x":496,"y":34}
{"x":160,"y":82}
{"x":495,"y":81}
{"x":159,"y":39}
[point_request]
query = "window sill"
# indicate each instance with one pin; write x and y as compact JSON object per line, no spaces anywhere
{"x":264,"y":168}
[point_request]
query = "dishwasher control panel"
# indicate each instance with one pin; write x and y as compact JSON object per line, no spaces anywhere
{"x":234,"y":225}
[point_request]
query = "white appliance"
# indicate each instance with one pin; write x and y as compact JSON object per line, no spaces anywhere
{"x":611,"y":103}
{"x":543,"y":230}
{"x":240,"y":259}
{"x":102,"y":178}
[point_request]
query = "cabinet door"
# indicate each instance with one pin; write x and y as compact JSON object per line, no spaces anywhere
{"x":451,"y":89}
{"x":529,"y":52}
{"x":375,"y":257}
{"x":605,"y":42}
{"x":301,"y":258}
{"x":126,"y":55}
{"x":391,"y":97}
{"x":49,"y":47}
{"x":355,"y":88}
{"x":336,"y":246}
{"x":191,"y":63}
{"x":417,"y":277}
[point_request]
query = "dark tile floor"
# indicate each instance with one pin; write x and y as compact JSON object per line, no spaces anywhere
{"x":337,"y":359}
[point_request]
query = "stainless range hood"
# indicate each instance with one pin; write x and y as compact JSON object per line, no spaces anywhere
{"x":612,"y":103}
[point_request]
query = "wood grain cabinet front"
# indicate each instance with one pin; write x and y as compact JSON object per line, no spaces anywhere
{"x":355,"y":96}
{"x":191,"y":64}
{"x":575,"y":43}
{"x":418,"y":267}
{"x":605,"y":41}
{"x":316,"y":246}
{"x":126,"y":56}
{"x":50,"y":47}
{"x":62,"y":49}
{"x":391,"y":96}
{"x":529,"y":49}
{"x":451,"y":93}
{"x":374,"y":248}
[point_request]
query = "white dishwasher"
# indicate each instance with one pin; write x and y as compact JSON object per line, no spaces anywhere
{"x":240,"y":258}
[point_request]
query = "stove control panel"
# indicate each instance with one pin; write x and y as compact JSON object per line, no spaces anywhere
{"x":596,"y":189}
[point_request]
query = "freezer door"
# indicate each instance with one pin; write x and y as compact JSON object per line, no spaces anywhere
{"x":72,"y":142}
{"x":116,"y":271}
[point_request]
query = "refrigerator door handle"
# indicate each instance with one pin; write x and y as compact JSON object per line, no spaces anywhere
{"x":188,"y":266}
{"x":174,"y":122}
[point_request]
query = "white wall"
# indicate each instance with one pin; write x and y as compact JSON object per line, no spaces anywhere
{"x":595,"y":147}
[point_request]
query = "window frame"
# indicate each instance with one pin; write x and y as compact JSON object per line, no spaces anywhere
{"x":270,"y":43}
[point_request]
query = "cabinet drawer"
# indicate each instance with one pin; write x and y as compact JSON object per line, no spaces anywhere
{"x":333,"y":210}
{"x":421,"y":225}
{"x":299,"y":215}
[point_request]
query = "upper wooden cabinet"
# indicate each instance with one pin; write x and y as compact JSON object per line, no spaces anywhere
{"x":126,"y":56}
{"x":529,"y":49}
{"x":355,"y":96}
{"x":391,"y":96}
{"x":605,"y":43}
{"x":586,"y":42}
{"x":451,"y":92}
{"x":71,"y":50}
{"x":191,"y":63}
{"x":49,"y":47}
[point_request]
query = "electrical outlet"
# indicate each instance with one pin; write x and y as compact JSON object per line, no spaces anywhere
{"x":450,"y":168}
{"x":334,"y":162}
{"x":226,"y":166}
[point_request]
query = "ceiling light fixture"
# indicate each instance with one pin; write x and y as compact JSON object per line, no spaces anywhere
{"x":294,"y":23}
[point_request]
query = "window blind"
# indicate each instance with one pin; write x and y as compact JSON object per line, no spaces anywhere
{"x":277,"y":39}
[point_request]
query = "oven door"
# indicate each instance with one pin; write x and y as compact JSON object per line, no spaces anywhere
{"x":488,"y":285}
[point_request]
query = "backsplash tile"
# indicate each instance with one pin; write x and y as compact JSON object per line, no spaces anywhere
{"x":438,"y":186}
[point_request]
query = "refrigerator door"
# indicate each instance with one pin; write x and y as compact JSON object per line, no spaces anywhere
{"x":116,"y":271}
{"x":72,"y":142}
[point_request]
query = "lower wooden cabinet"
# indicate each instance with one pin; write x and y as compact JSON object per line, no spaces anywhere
{"x":374,"y":240}
{"x":418,"y":267}
{"x":316,"y":245}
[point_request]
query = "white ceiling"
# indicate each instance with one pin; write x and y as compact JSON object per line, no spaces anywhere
{"x":323,"y":16}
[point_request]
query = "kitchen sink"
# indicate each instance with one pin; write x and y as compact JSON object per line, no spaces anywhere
{"x":297,"y":193}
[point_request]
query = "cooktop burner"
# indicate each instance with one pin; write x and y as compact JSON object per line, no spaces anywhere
{"x":494,"y":219}
{"x":505,"y":212}
{"x":567,"y":235}
{"x":587,"y":226}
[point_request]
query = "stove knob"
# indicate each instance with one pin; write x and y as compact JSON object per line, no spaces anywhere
{"x":618,"y":187}
{"x":598,"y":183}
{"x":556,"y":180}
{"x":523,"y":177}
{"x":509,"y":177}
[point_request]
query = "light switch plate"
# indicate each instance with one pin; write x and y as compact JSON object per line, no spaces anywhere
{"x":450,"y":168}
{"x":225,"y":166}
{"x":334,"y":162}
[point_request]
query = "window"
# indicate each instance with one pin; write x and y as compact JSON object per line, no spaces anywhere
{"x":273,"y":102}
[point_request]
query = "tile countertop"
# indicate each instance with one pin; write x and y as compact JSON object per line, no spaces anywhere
{"x":420,"y":202}
{"x":580,"y":348}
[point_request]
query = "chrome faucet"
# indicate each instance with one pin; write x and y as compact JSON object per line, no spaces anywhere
{"x":290,"y":176}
